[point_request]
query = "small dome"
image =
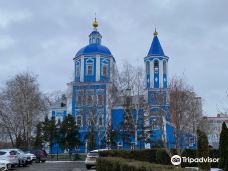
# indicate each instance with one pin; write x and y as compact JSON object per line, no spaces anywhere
{"x":94,"y":33}
{"x":94,"y":49}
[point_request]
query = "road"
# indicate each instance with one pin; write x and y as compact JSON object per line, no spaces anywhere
{"x":55,"y":166}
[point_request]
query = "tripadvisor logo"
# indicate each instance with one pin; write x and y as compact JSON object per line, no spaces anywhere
{"x":176,"y":160}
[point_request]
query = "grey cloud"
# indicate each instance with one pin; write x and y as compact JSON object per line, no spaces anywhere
{"x":43,"y":37}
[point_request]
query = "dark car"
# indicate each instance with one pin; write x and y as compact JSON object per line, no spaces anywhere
{"x":41,"y":155}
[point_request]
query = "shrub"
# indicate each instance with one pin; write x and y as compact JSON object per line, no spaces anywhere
{"x":226,"y":166}
{"x":214,"y":153}
{"x":202,"y":149}
{"x":162,"y":157}
{"x":120,"y":164}
{"x":152,"y":156}
{"x":223,"y":146}
{"x":189,"y":153}
{"x":148,"y":155}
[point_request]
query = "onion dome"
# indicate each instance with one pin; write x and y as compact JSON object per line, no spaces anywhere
{"x":94,"y":46}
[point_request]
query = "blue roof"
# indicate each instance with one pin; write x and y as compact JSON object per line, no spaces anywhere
{"x":94,"y":49}
{"x":155,"y":48}
{"x":94,"y":32}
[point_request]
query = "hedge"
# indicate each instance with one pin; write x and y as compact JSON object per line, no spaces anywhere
{"x":158,"y":156}
{"x":162,"y":157}
{"x":148,"y":155}
{"x":120,"y":164}
{"x":189,"y":153}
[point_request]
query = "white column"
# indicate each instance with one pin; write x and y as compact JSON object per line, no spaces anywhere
{"x":151,"y":74}
{"x":98,"y":70}
{"x":69,"y":94}
{"x":82,"y":70}
{"x":111,"y":69}
{"x":164,"y":127}
{"x":160,"y":73}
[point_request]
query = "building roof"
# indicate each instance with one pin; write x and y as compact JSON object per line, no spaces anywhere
{"x":94,"y":32}
{"x":155,"y":48}
{"x":94,"y":49}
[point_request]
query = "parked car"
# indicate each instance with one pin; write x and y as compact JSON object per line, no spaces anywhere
{"x":92,"y":157}
{"x":22,"y":157}
{"x":5,"y":165}
{"x":9,"y":155}
{"x":32,"y":156}
{"x":41,"y":155}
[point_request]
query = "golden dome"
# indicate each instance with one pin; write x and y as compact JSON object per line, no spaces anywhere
{"x":155,"y":33}
{"x":95,"y":23}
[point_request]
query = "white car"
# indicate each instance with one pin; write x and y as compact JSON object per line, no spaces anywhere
{"x":91,"y":158}
{"x":5,"y":165}
{"x":9,"y":155}
{"x":32,"y":156}
{"x":22,"y":157}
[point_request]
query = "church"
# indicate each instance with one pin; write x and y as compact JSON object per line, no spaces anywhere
{"x":89,"y":99}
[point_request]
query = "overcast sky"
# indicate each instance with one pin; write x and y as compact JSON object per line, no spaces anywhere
{"x":43,"y":36}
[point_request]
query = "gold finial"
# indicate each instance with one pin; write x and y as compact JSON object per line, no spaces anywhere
{"x":95,"y":23}
{"x":155,"y":32}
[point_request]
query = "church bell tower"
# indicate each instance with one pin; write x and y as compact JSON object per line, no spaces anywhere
{"x":156,"y":63}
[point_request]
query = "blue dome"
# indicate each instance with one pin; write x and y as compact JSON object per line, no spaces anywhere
{"x":94,"y":32}
{"x":93,"y":49}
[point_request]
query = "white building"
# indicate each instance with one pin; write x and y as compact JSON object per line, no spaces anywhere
{"x":215,"y":128}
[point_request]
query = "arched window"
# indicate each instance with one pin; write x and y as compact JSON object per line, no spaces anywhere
{"x":105,"y":70}
{"x":100,"y":99}
{"x":164,"y":67}
{"x":79,"y":100}
{"x":97,"y":41}
{"x":89,"y":67}
{"x":77,"y":69}
{"x":58,"y":117}
{"x":156,"y":66}
{"x":147,"y":67}
{"x":79,"y":120}
{"x":89,"y":121}
{"x":100,"y":121}
{"x":89,"y":100}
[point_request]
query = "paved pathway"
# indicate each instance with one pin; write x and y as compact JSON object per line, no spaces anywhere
{"x":55,"y":166}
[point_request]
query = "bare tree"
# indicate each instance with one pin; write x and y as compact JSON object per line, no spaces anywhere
{"x":130,"y":77}
{"x":184,"y":108}
{"x":55,"y":96}
{"x":130,"y":85}
{"x":205,"y":125}
{"x":22,"y":105}
{"x":155,"y":116}
{"x":111,"y":100}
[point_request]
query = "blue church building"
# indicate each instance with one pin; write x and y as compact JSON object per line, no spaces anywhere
{"x":89,"y":99}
